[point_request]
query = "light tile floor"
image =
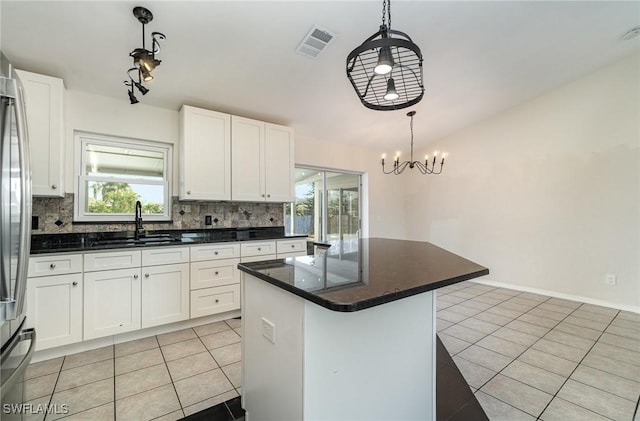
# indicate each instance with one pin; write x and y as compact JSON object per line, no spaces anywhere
{"x":529,"y":356}
{"x":163,"y":377}
{"x":526,"y":357}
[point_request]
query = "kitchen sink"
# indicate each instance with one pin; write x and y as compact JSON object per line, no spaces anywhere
{"x":145,"y":239}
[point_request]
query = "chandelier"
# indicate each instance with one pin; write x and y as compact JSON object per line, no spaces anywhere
{"x":144,"y":61}
{"x":386,"y":69}
{"x":399,"y":167}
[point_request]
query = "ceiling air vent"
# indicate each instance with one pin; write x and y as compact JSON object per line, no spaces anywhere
{"x":315,"y":41}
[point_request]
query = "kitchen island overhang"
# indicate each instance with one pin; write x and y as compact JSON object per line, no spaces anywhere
{"x":341,"y":335}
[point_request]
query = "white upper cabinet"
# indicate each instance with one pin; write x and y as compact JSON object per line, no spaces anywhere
{"x":205,"y":154}
{"x":262,"y":161}
{"x":44,"y":98}
{"x":248,"y":160}
{"x":279,"y":163}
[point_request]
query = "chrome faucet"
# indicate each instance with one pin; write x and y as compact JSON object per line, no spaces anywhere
{"x":139,"y":228}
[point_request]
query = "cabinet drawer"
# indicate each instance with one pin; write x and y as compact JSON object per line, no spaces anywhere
{"x":55,"y":265}
{"x":165,"y":256}
{"x":291,"y":246}
{"x":215,"y":300}
{"x":257,"y":248}
{"x":218,"y":251}
{"x":111,"y":260}
{"x":214,"y":273}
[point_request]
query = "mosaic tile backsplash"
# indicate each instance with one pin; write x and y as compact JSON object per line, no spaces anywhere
{"x":55,"y":215}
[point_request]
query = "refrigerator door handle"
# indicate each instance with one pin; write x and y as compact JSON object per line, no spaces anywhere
{"x":25,"y":213}
{"x":18,"y":373}
{"x":7,"y":88}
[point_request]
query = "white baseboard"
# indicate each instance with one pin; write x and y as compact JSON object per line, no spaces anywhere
{"x":556,"y":294}
{"x":61,"y":351}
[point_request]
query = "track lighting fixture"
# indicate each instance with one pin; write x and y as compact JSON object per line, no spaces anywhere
{"x":144,"y":61}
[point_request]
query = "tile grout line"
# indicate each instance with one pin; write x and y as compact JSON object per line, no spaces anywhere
{"x":576,"y":367}
{"x":173,"y":384}
{"x":530,"y":346}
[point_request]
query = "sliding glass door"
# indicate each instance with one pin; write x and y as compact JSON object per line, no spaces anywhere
{"x":327,"y":206}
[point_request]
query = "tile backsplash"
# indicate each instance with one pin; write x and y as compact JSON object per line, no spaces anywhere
{"x":55,"y":215}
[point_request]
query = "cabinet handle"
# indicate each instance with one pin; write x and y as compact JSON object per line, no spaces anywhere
{"x":53,"y":186}
{"x":215,"y":252}
{"x":263,"y":195}
{"x":135,"y":276}
{"x":293,"y":246}
{"x":52,"y":266}
{"x":217,"y":301}
{"x":74,"y":283}
{"x":268,"y":195}
{"x":146,"y":275}
{"x":188,"y":191}
{"x":259,"y":248}
{"x":216,"y":272}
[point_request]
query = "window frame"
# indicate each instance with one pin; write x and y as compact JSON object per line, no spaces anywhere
{"x":81,"y":139}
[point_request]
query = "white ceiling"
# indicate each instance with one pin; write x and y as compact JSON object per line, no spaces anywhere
{"x":239,"y":57}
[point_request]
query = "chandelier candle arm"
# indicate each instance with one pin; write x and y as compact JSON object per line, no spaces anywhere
{"x":399,"y":167}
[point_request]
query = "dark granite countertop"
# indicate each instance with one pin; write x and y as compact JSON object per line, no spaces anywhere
{"x":79,"y":242}
{"x":348,"y":278}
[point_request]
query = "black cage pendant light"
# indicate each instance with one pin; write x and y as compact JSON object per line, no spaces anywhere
{"x":144,"y":61}
{"x":386,"y":69}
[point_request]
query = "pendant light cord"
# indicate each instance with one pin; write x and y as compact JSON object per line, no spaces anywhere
{"x":386,"y":12}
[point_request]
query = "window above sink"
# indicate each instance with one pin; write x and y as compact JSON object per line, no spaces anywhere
{"x":114,"y":172}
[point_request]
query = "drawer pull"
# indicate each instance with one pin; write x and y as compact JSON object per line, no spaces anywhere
{"x":216,"y":272}
{"x":188,"y":191}
{"x":146,"y":275}
{"x":74,"y":283}
{"x":293,"y":246}
{"x":52,"y":265}
{"x":215,"y":252}
{"x":217,"y":301}
{"x":259,"y":248}
{"x":135,"y":276}
{"x":53,"y":186}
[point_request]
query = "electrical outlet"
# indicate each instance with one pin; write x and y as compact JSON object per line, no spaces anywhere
{"x":269,"y":330}
{"x":610,"y":279}
{"x":207,"y":219}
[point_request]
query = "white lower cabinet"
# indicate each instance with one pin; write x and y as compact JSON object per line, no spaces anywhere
{"x":111,"y":302}
{"x":214,"y":279}
{"x":54,"y":299}
{"x":54,"y":308}
{"x":165,"y":294}
{"x":75,"y":297}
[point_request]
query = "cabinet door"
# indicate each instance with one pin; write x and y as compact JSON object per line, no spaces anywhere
{"x":165,"y":294}
{"x":111,"y":302}
{"x":44,"y":99}
{"x":247,"y":163}
{"x":279,"y":162}
{"x":54,"y":308}
{"x":205,"y":154}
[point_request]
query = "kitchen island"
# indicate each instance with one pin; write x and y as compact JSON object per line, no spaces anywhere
{"x":345,"y":335}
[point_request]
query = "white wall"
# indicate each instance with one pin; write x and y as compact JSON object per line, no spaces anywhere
{"x":547,"y":194}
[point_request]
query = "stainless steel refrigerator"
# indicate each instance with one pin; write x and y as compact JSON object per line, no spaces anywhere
{"x":17,"y":343}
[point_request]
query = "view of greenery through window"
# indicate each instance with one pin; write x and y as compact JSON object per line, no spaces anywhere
{"x":112,"y":197}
